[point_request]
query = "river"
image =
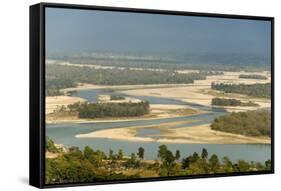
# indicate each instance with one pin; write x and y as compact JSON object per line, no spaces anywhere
{"x":65,"y":133}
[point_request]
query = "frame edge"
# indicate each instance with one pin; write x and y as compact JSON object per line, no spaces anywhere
{"x":35,"y":178}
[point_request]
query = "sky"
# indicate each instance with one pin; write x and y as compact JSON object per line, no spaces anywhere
{"x":74,"y":30}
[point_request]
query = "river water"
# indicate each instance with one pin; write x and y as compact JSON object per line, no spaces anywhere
{"x":65,"y":133}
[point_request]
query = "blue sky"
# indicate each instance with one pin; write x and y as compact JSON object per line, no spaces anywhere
{"x":87,"y":30}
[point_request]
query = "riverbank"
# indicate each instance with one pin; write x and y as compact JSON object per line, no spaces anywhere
{"x":201,"y":134}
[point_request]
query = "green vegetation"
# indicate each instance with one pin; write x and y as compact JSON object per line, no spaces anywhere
{"x":50,"y":146}
{"x":253,"y":76}
{"x":53,"y":92}
{"x":95,"y":110}
{"x":255,"y":90}
{"x":251,"y":123}
{"x":231,"y":102}
{"x":94,"y":165}
{"x":141,"y":152}
{"x":116,"y":97}
{"x":54,"y":84}
{"x":77,"y":166}
{"x":58,"y":77}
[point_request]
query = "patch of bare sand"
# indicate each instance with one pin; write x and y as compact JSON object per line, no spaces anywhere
{"x":117,"y":133}
{"x":128,"y":133}
{"x":169,"y":110}
{"x":52,"y":155}
{"x":204,"y":134}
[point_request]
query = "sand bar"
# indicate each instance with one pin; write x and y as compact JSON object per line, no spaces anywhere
{"x":201,"y":134}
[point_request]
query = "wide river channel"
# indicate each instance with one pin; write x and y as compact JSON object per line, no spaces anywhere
{"x":64,"y":133}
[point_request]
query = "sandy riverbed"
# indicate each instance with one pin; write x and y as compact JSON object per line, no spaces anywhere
{"x":202,"y":134}
{"x":200,"y":93}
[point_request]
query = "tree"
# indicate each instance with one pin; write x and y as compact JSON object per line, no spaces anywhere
{"x":141,"y":152}
{"x":195,"y":157}
{"x":169,"y":158}
{"x":227,"y":164}
{"x":120,"y":154}
{"x":166,"y":156}
{"x":88,"y":152}
{"x":162,"y":151}
{"x":177,"y":155}
{"x":111,"y":154}
{"x":243,"y":166}
{"x":204,"y":154}
{"x":132,"y":162}
{"x":51,"y":147}
{"x":268,"y":165}
{"x":186,"y":162}
{"x":226,"y":161}
{"x":214,"y":162}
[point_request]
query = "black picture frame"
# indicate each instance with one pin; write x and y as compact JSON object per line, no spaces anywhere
{"x":37,"y":91}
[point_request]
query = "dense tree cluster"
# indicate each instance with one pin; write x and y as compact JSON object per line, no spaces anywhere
{"x":231,"y":102}
{"x":94,"y":165}
{"x":81,"y":166}
{"x":253,"y":76}
{"x":94,"y":110}
{"x":256,"y":90}
{"x":251,"y":123}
